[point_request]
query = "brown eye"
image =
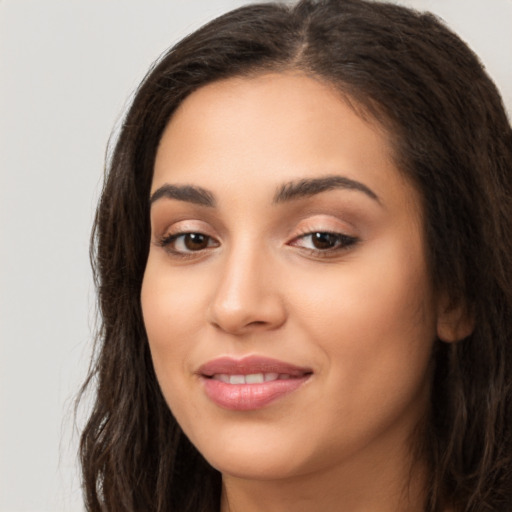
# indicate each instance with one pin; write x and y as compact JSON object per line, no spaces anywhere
{"x":186,"y":243}
{"x":323,"y":241}
{"x":195,"y":241}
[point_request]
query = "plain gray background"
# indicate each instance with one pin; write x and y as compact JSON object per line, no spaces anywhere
{"x":67,"y":69}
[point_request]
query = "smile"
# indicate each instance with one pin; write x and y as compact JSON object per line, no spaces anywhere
{"x":253,"y":378}
{"x":250,"y":383}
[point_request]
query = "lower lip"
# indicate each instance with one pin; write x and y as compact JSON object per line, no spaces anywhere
{"x":249,"y":397}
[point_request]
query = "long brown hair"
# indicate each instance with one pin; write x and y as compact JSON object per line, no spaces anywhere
{"x":452,"y":140}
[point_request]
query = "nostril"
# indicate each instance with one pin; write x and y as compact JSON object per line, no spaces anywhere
{"x":255,"y":309}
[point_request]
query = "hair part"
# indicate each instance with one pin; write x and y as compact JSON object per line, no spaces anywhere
{"x":451,"y":139}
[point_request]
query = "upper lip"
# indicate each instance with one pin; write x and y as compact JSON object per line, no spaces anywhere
{"x":250,"y":365}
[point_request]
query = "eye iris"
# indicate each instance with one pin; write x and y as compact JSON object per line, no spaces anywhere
{"x":324,"y":240}
{"x":195,"y":241}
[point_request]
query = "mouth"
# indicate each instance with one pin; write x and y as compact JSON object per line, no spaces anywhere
{"x":250,"y":383}
{"x":251,"y":378}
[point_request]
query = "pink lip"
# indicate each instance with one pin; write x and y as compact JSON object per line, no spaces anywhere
{"x":247,"y":397}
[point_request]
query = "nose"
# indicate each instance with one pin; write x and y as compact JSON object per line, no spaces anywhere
{"x":247,"y":296}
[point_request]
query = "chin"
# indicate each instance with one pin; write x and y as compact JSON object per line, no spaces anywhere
{"x":258,"y":459}
{"x":255,"y":469}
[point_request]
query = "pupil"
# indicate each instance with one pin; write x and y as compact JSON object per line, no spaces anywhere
{"x":324,"y":240}
{"x":196,"y":241}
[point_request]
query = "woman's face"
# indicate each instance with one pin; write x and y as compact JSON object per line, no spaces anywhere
{"x":286,"y":297}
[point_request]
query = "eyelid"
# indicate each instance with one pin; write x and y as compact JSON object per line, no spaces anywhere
{"x":185,"y":226}
{"x":345,"y":233}
{"x":324,"y":223}
{"x":172,"y":239}
{"x":174,"y":244}
{"x":342,"y":242}
{"x":168,"y":216}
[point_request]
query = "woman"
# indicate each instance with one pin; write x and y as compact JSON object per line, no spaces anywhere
{"x":303,"y":256}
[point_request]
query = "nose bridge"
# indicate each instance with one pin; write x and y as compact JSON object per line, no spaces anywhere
{"x":246,"y":296}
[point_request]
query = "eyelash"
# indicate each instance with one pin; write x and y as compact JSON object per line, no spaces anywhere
{"x":341,"y":243}
{"x":168,"y":242}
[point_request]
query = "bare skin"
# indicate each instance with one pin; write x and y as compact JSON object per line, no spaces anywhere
{"x":330,"y":277}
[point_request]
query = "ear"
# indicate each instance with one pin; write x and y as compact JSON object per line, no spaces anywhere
{"x":454,"y":322}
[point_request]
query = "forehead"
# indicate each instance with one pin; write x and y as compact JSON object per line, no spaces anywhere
{"x":254,"y":132}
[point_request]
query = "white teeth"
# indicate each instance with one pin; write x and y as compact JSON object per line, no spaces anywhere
{"x":252,"y":378}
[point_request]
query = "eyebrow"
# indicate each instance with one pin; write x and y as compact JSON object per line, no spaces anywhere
{"x":312,"y":186}
{"x":287,"y":192}
{"x":188,"y":193}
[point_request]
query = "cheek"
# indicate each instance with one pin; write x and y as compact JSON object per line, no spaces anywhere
{"x":382,"y":288}
{"x":171,"y":301}
{"x":170,"y":319}
{"x":169,"y":324}
{"x":374,"y":318}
